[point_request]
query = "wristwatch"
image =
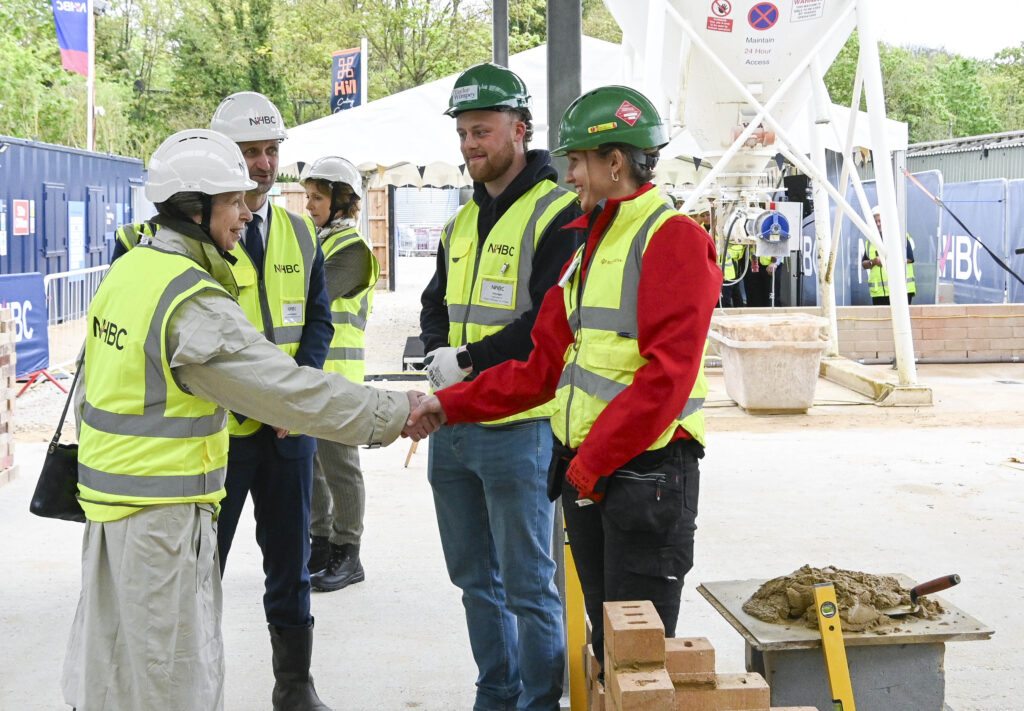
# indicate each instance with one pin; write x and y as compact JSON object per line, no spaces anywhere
{"x":463,"y":358}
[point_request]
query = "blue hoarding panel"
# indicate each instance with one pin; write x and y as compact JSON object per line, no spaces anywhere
{"x":39,"y":182}
{"x":25,"y":296}
{"x":1015,"y":237}
{"x":981,"y":206}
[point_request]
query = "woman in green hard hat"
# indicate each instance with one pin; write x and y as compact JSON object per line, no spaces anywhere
{"x":620,"y":346}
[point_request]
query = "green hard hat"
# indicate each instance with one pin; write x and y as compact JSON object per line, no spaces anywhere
{"x":610,"y":114}
{"x":488,"y":86}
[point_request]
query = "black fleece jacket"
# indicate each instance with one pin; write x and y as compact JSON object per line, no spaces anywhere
{"x":555,"y":248}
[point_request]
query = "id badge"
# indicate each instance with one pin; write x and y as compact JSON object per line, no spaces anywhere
{"x":497,"y":292}
{"x":291,"y":312}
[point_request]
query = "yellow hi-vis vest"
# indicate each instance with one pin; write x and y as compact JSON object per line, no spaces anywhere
{"x":489,"y":285}
{"x":130,"y":234}
{"x":347,"y":354}
{"x":731,"y":261}
{"x":602,"y":313}
{"x":275,"y":301}
{"x":144,"y":441}
{"x":878,"y":278}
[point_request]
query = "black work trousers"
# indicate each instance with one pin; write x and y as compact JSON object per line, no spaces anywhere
{"x":637,"y":543}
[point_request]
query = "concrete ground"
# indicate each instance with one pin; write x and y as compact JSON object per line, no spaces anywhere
{"x":921,"y":492}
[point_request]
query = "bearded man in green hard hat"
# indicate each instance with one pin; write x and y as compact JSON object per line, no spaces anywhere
{"x":497,"y":258}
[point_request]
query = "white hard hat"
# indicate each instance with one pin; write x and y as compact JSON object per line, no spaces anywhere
{"x":876,"y":210}
{"x":335,"y":169}
{"x":248,"y":116}
{"x":196,"y":160}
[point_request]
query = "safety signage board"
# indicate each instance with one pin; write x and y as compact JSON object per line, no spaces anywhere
{"x":807,"y":10}
{"x":763,"y":16}
{"x":21,"y":217}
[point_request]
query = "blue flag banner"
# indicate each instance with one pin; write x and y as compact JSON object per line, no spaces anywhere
{"x":72,"y":20}
{"x":980,"y":205}
{"x":346,"y":79}
{"x":25,"y":296}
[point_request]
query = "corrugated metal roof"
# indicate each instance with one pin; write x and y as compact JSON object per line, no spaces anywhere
{"x":988,"y":141}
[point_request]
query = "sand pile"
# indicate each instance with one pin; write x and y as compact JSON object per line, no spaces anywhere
{"x":861,"y":598}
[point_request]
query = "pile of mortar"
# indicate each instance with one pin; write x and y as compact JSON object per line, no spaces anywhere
{"x":862,"y":597}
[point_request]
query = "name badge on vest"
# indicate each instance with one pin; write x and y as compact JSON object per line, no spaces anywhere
{"x":497,"y":292}
{"x":291,"y":312}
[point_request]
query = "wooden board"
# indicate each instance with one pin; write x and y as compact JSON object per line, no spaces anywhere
{"x":728,"y":596}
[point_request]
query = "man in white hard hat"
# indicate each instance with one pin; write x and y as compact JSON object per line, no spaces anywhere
{"x":282,"y":290}
{"x":878,"y":278}
{"x":153,"y":442}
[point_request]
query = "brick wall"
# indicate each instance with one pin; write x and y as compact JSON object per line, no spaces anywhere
{"x":982,"y":331}
{"x":7,"y":393}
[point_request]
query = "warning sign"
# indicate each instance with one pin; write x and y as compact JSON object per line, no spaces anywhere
{"x":763,"y":16}
{"x":807,"y":10}
{"x":719,"y":24}
{"x":628,"y":113}
{"x":21,"y":217}
{"x":720,"y":8}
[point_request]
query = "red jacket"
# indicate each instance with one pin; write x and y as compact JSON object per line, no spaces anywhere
{"x":679,"y":287}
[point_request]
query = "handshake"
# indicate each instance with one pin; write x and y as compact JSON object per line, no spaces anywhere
{"x":425,"y":416}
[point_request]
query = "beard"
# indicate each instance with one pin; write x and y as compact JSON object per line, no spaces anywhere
{"x":494,"y":165}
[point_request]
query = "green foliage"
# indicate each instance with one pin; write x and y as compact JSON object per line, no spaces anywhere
{"x":164,"y":65}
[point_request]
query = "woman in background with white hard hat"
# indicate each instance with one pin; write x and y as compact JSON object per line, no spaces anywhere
{"x":153,"y":437}
{"x":333,"y":190}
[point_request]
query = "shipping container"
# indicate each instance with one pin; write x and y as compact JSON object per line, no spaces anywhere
{"x":59,"y":206}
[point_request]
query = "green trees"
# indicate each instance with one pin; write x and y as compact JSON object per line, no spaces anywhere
{"x":164,"y":65}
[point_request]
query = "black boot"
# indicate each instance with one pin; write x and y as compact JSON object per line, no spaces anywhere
{"x":319,"y":553}
{"x":293,"y":690}
{"x":343,"y":569}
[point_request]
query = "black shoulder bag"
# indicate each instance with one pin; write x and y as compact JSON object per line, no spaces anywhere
{"x":56,"y":494}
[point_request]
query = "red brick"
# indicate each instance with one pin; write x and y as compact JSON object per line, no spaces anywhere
{"x":596,"y":698}
{"x":690,"y":660}
{"x":641,"y":691}
{"x":633,"y":634}
{"x":732,"y":692}
{"x":591,"y":667}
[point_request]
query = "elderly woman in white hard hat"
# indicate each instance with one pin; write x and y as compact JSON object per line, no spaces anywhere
{"x":152,"y":412}
{"x":333,"y":189}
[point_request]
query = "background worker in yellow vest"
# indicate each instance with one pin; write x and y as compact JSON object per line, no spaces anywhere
{"x":878,"y":280}
{"x":333,"y":190}
{"x":167,"y":352}
{"x":621,"y":348}
{"x":128,"y":235}
{"x":280,"y":275}
{"x":497,"y":259}
{"x":732,"y":276}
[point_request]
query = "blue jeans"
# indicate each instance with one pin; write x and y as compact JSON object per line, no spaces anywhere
{"x":495,"y":521}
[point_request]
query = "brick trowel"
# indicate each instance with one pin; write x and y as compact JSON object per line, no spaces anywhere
{"x":918,"y":591}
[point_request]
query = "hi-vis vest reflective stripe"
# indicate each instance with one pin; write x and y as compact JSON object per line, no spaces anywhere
{"x":489,"y":284}
{"x":602,"y":313}
{"x":878,"y":278}
{"x":275,"y":302}
{"x":130,"y":234}
{"x":732,"y":261}
{"x":347,"y":354}
{"x":144,"y":441}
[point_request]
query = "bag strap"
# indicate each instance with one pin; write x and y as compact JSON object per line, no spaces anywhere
{"x":67,"y":403}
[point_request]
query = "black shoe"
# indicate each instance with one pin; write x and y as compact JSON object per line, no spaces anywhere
{"x":293,"y":687}
{"x":342,"y":570}
{"x":319,"y":553}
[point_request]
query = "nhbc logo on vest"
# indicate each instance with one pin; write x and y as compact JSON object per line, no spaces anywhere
{"x":108,"y":332}
{"x":287,"y":268}
{"x":504,"y":249}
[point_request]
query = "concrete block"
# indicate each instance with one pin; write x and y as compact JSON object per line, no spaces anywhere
{"x":591,"y":667}
{"x":641,"y":691}
{"x":633,"y":634}
{"x":690,"y":660}
{"x":596,"y":698}
{"x":884,"y":677}
{"x":731,"y":692}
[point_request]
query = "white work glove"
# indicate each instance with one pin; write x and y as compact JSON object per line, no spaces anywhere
{"x":443,"y":367}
